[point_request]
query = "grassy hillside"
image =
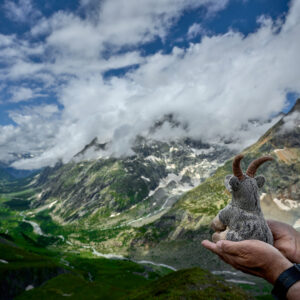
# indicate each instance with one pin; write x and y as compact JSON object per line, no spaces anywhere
{"x":190,"y":284}
{"x":26,"y":274}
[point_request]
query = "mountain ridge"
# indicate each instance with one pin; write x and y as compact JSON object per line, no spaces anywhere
{"x":189,"y":217}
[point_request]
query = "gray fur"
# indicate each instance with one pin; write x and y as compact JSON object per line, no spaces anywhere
{"x":243,"y":214}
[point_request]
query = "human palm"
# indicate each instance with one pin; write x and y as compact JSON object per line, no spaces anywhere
{"x":286,"y":240}
{"x":251,"y":256}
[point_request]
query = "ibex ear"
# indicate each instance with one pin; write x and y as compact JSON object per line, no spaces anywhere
{"x":260,"y":180}
{"x":232,"y":183}
{"x":226,"y":182}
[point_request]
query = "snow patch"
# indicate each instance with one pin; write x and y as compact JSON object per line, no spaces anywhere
{"x":171,"y":166}
{"x":286,"y":204}
{"x":241,"y":281}
{"x":203,"y":151}
{"x":153,"y":158}
{"x":51,"y":204}
{"x":224,"y":273}
{"x":133,"y":206}
{"x":173,"y":149}
{"x":165,"y":181}
{"x":297,"y":224}
{"x":278,"y":150}
{"x":114,"y":215}
{"x":61,"y":237}
{"x":3,"y":261}
{"x":262,"y":196}
{"x":145,"y":178}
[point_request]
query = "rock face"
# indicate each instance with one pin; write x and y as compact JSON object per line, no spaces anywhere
{"x":146,"y":183}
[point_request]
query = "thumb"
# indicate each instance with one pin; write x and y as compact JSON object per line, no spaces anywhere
{"x":278,"y":229}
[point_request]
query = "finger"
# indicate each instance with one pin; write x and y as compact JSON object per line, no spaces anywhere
{"x":216,"y":237}
{"x":233,"y":260}
{"x":248,"y":270}
{"x":273,"y":224}
{"x":276,"y":226}
{"x":229,"y":247}
{"x":211,"y":246}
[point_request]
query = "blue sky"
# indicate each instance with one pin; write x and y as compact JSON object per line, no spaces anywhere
{"x":73,"y":70}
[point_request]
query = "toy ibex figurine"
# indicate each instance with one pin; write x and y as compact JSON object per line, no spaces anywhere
{"x":242,"y":218}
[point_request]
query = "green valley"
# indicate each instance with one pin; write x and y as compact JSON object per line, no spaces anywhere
{"x":113,"y":228}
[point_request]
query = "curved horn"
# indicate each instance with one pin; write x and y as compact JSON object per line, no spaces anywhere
{"x":255,"y":165}
{"x":236,"y":168}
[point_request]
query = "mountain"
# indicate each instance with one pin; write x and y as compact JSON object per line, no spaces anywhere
{"x":157,"y":204}
{"x":5,"y":176}
{"x":146,"y":214}
{"x":122,"y":190}
{"x":282,"y":142}
{"x":8,"y":173}
{"x":182,"y":228}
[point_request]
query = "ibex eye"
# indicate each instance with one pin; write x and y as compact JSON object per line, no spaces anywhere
{"x":260,"y":180}
{"x":235,"y":183}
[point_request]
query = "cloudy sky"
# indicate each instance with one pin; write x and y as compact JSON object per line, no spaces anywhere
{"x":73,"y":70}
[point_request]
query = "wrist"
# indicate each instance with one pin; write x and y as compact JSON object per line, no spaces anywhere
{"x":297,"y":250}
{"x":294,"y":291}
{"x":287,"y":284}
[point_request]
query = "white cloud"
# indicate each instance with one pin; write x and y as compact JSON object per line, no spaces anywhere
{"x":291,"y":121}
{"x":195,"y":30}
{"x":5,"y":40}
{"x":21,"y":11}
{"x":19,"y":94}
{"x":214,"y":86}
{"x":35,"y":131}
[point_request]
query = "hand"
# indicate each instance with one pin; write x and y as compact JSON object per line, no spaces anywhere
{"x":251,"y":256}
{"x":286,"y":240}
{"x":217,"y":225}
